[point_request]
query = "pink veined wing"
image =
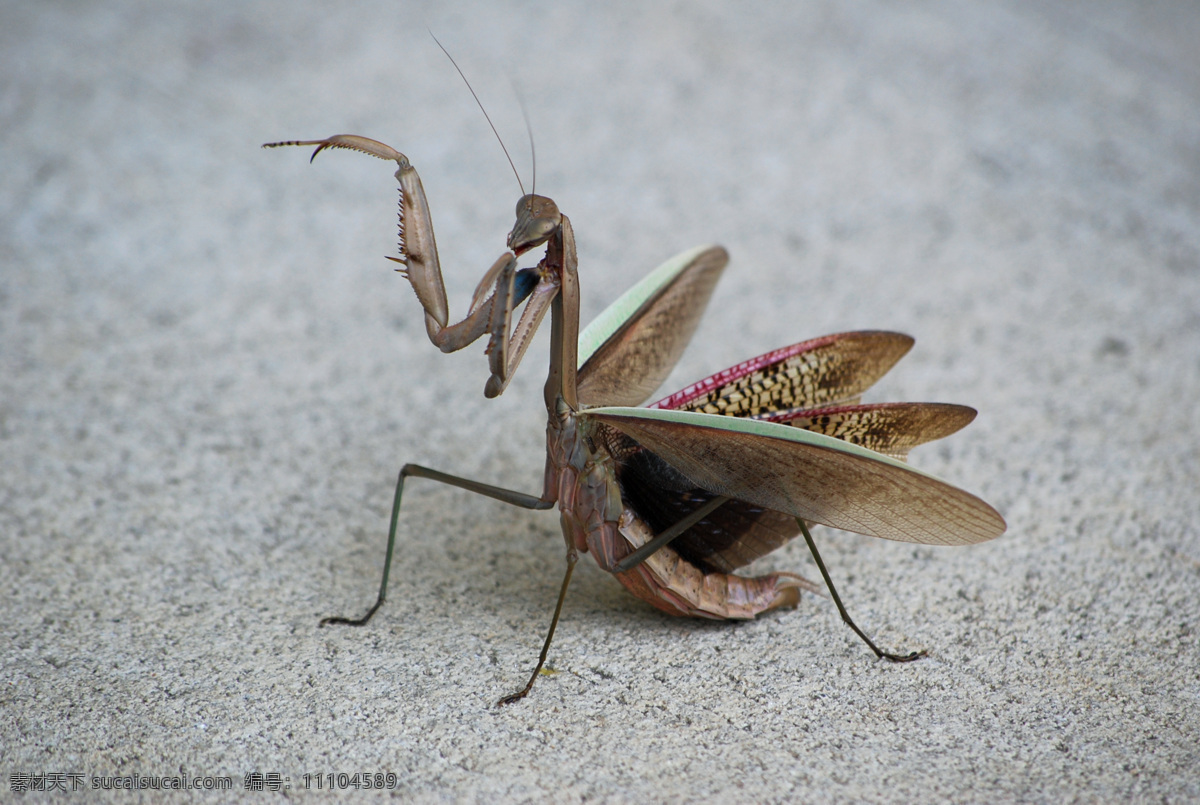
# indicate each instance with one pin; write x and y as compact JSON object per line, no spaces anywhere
{"x":833,"y":369}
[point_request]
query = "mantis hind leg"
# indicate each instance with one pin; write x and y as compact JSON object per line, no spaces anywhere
{"x":812,"y":546}
{"x":415,"y":470}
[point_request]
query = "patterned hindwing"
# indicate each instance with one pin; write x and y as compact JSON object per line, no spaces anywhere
{"x":826,"y":371}
{"x":889,"y":428}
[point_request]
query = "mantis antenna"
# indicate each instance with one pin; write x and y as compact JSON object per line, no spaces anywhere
{"x":529,"y":131}
{"x":488,"y":117}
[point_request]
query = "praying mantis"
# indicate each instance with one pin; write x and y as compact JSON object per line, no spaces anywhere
{"x":674,"y":497}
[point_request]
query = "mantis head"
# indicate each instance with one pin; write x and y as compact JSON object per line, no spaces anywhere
{"x":538,"y":219}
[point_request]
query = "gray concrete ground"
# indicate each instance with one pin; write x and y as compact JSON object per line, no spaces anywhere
{"x":209,"y":377}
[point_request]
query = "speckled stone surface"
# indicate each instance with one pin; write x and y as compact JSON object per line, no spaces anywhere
{"x":209,"y":377}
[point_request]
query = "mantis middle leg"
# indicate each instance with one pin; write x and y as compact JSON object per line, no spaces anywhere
{"x":496,"y":493}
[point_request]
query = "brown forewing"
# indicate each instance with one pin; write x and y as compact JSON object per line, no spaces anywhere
{"x":636,"y":359}
{"x":819,"y":484}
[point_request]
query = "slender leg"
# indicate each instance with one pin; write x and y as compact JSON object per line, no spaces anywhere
{"x":504,"y":495}
{"x":646,"y":551}
{"x":572,"y":558}
{"x":812,"y":546}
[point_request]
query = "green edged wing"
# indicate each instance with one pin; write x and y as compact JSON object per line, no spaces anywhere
{"x":630,"y":348}
{"x":808,"y":475}
{"x":739,"y":532}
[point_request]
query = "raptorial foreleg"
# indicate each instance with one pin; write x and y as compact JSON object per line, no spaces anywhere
{"x":502,"y":288}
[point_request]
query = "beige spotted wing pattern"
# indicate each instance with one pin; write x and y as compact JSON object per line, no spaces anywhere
{"x":834,"y":369}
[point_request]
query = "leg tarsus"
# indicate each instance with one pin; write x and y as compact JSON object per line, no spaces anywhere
{"x":880,"y":653}
{"x":351,"y":142}
{"x":341,"y":621}
{"x":572,"y":558}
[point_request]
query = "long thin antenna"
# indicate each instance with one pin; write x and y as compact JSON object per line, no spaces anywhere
{"x":529,"y":131}
{"x":485,"y":114}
